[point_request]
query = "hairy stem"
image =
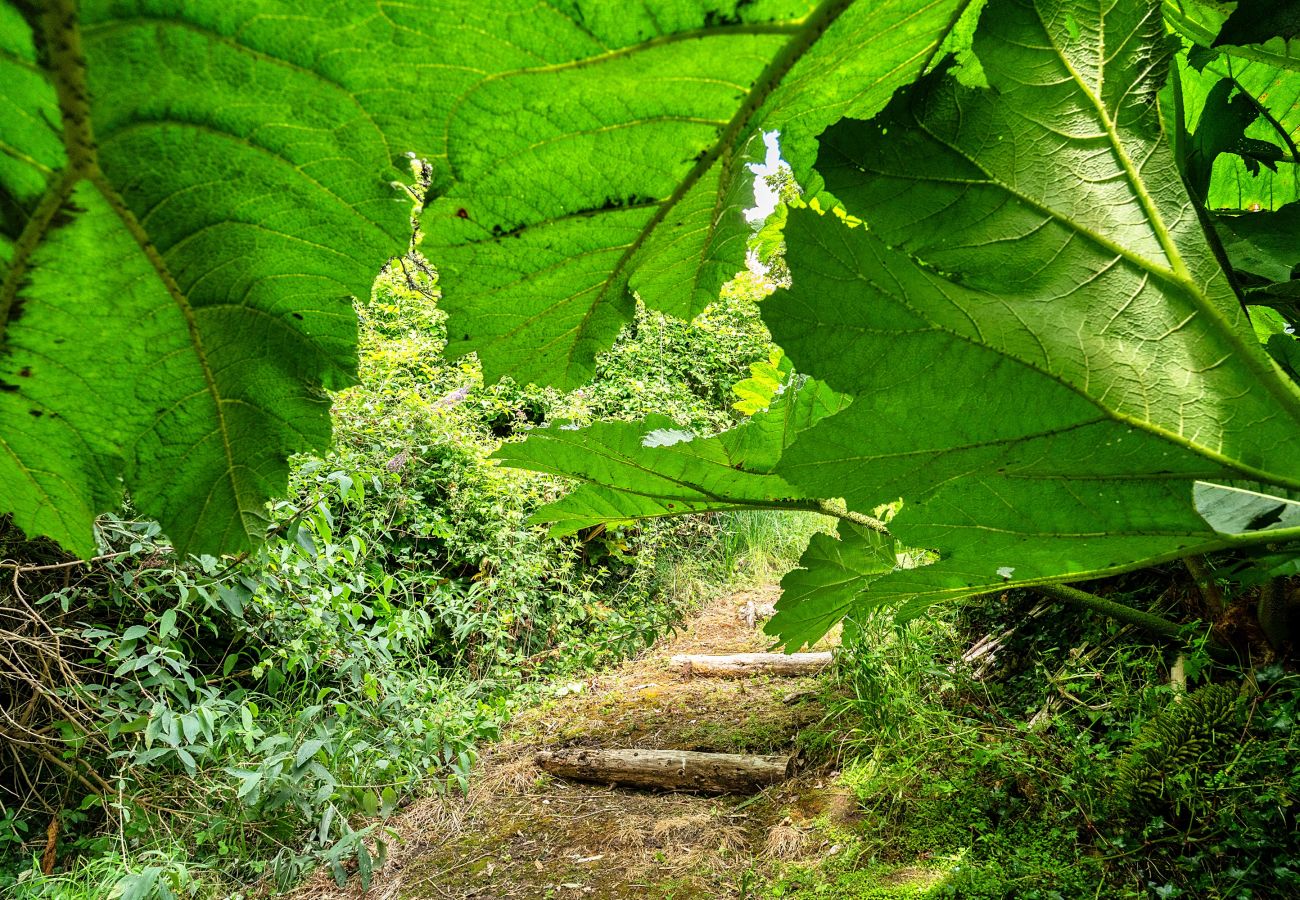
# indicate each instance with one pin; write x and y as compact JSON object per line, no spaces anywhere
{"x":830,"y":509}
{"x":1151,"y":622}
{"x":1210,"y":592}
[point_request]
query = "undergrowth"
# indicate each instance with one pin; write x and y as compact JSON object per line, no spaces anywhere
{"x":205,"y":727}
{"x":1062,"y":764}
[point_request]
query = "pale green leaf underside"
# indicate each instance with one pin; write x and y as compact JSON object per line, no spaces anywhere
{"x":603,"y":153}
{"x":1235,"y":510}
{"x":652,"y":469}
{"x":833,"y":572}
{"x":172,"y":324}
{"x":1043,"y":363}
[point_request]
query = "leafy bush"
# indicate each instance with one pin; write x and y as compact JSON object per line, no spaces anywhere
{"x":269,"y":711}
{"x":1012,"y":775}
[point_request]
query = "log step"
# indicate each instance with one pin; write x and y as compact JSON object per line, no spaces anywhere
{"x":673,"y":770}
{"x":735,"y":665}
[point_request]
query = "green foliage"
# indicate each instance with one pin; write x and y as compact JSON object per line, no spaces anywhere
{"x":190,"y":195}
{"x":766,"y":379}
{"x":269,"y":712}
{"x":679,"y":369}
{"x":1041,"y":286}
{"x":1029,"y":227}
{"x":1245,"y":98}
{"x":1097,"y":358}
{"x":658,"y":229}
{"x":996,"y":779}
{"x":832,"y":568}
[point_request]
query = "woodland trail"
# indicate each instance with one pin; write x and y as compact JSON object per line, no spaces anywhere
{"x":520,"y":833}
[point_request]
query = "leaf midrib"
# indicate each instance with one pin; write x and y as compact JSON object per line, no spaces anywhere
{"x":1287,"y":395}
{"x":68,"y":69}
{"x":1107,"y":413}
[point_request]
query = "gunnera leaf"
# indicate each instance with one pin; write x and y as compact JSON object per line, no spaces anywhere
{"x":1043,"y":351}
{"x":1247,"y":100}
{"x":190,"y":195}
{"x":652,"y":469}
{"x":602,"y":149}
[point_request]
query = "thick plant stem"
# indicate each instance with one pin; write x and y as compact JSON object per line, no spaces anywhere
{"x":1213,"y":597}
{"x":1277,"y":614}
{"x":826,"y":507}
{"x":1118,"y":611}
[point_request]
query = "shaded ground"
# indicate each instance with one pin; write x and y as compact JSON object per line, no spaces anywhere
{"x":523,"y":834}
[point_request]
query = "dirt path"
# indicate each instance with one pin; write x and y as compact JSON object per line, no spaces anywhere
{"x":523,"y":834}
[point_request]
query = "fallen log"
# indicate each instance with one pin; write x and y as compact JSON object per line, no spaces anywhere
{"x":672,"y":770}
{"x":739,"y":664}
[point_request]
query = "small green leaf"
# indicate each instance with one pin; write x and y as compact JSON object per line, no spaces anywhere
{"x":191,"y":727}
{"x":166,"y":624}
{"x":249,"y":782}
{"x":306,"y":752}
{"x":326,"y":820}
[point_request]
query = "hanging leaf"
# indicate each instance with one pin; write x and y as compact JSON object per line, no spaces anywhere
{"x":651,"y":469}
{"x":833,"y":573}
{"x":190,"y":195}
{"x":539,"y":249}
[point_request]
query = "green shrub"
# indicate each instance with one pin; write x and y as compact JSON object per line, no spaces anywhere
{"x":249,"y":718}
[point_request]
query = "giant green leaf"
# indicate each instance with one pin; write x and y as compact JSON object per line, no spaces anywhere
{"x":832,"y":574}
{"x":603,"y":151}
{"x":1265,"y":256}
{"x":190,"y":194}
{"x":1264,"y":176}
{"x":652,"y":469}
{"x":1044,"y":351}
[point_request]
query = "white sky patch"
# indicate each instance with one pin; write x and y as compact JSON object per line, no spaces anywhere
{"x":666,"y":437}
{"x":765,"y":198}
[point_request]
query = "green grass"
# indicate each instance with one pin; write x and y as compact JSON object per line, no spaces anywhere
{"x":146,"y":876}
{"x":763,"y":544}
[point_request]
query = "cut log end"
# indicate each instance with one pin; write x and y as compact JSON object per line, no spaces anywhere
{"x":752,"y":613}
{"x":670,"y":770}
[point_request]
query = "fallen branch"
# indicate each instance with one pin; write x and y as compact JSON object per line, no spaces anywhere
{"x":738,"y":665}
{"x":672,"y":770}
